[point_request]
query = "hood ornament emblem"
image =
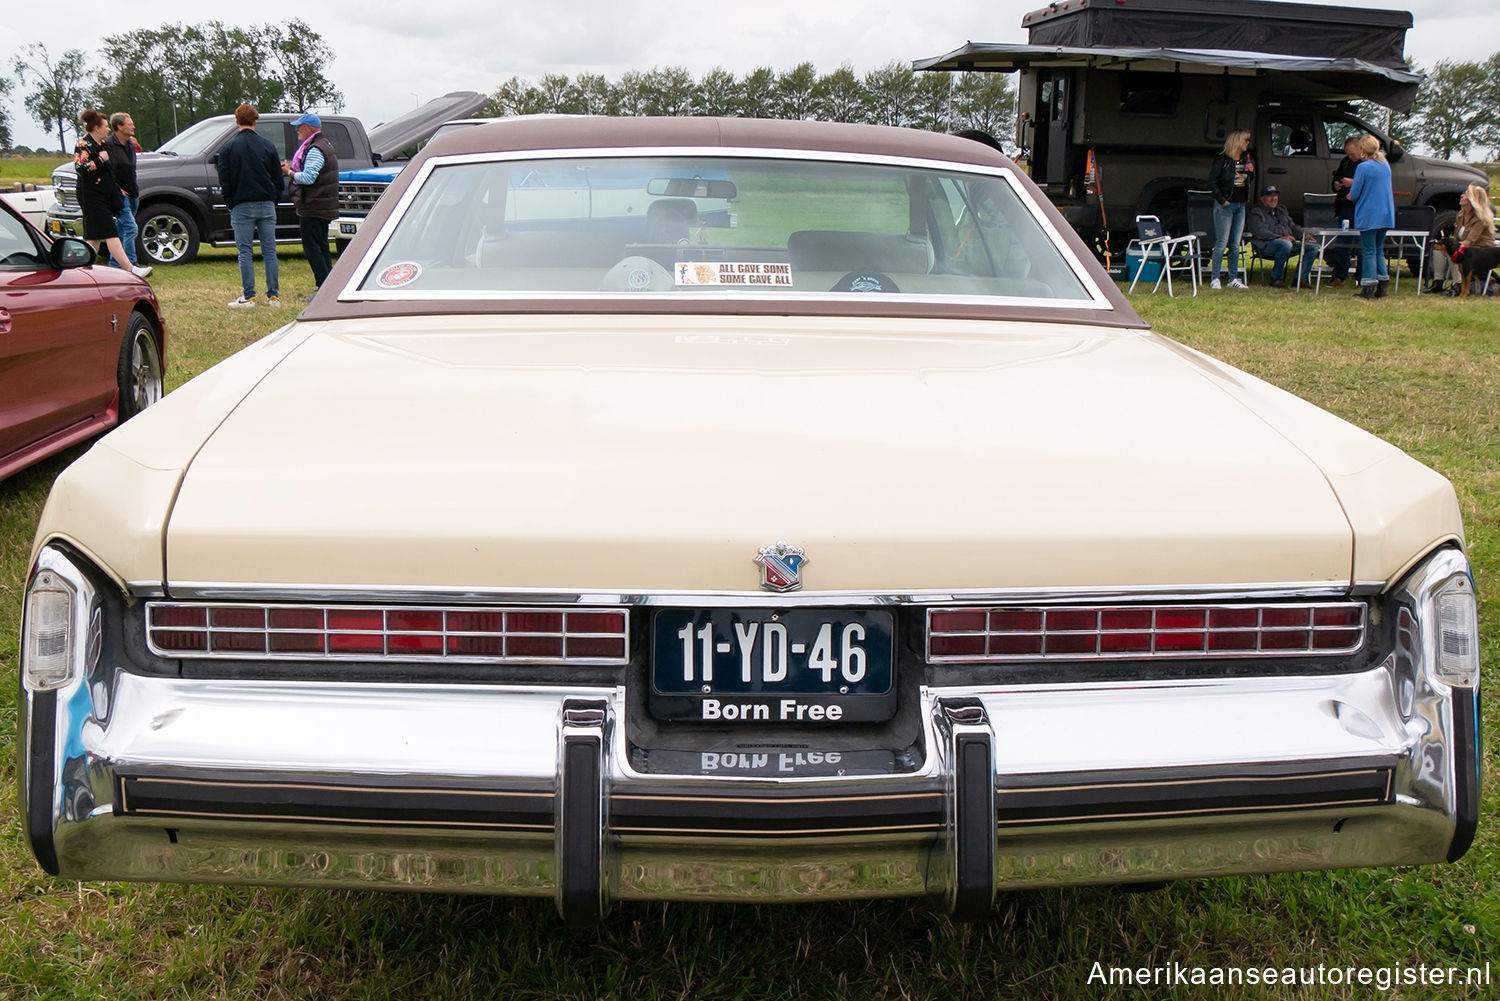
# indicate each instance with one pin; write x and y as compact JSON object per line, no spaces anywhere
{"x":781,"y":567}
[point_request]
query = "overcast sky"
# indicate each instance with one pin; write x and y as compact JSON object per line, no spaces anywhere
{"x":390,"y":57}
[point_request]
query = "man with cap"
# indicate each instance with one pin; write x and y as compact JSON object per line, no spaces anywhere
{"x":1274,"y":235}
{"x":314,"y":172}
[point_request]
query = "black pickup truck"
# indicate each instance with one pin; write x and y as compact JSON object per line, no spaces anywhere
{"x":181,"y":204}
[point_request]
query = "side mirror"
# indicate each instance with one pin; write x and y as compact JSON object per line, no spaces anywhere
{"x":70,"y":252}
{"x":1395,"y":154}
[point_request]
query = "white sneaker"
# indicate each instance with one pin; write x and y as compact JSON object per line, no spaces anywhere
{"x":242,"y":303}
{"x":1236,"y":283}
{"x":272,"y":300}
{"x":140,"y":272}
{"x":1215,"y":285}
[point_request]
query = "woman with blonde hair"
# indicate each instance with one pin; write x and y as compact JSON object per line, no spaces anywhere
{"x":1474,"y":227}
{"x":1230,"y":178}
{"x":1374,"y":213}
{"x":99,"y":196}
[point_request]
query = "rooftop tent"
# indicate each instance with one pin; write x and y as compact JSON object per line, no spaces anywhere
{"x":1295,"y":29}
{"x":1323,"y":78}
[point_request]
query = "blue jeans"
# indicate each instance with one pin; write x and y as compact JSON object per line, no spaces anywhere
{"x":250,"y":220}
{"x":1372,"y":257}
{"x":128,"y":230}
{"x":1280,"y":251}
{"x":1229,"y":226}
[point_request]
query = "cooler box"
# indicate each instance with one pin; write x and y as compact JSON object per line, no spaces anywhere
{"x":1150,"y":270}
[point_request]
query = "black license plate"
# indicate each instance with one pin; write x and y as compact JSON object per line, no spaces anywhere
{"x":773,"y":666}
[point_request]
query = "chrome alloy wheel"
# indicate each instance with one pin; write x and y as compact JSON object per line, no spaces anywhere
{"x":145,"y":379}
{"x":165,"y":238}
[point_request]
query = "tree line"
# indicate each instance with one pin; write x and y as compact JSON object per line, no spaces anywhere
{"x":172,"y":76}
{"x":889,"y":95}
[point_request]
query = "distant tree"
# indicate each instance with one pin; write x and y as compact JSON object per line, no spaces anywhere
{"x":933,"y":106}
{"x":300,"y":56}
{"x":719,"y":94}
{"x":626,"y":97}
{"x":794,"y":92}
{"x":667,"y":91}
{"x":1452,"y":113}
{"x":138,"y":77}
{"x":984,"y":101}
{"x":518,"y":97}
{"x":758,"y":93}
{"x":5,"y":88}
{"x":839,"y":97}
{"x":891,"y":89}
{"x":592,"y":94}
{"x":58,"y":92}
{"x":558,"y":95}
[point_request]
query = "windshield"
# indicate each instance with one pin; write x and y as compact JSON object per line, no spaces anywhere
{"x":717,"y":225}
{"x":196,"y":138}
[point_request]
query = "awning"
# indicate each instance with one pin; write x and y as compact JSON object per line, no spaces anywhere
{"x":1326,"y":79}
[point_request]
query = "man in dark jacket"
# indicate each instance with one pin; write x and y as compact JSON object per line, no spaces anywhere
{"x":121,"y":146}
{"x":1273,"y":234}
{"x":250,"y":175}
{"x":314,"y":172}
{"x":1343,"y":250}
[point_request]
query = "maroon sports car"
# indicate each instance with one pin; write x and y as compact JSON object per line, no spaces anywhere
{"x":81,"y":347}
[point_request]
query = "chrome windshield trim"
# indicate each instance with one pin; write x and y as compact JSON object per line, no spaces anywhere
{"x":195,"y":590}
{"x":351,"y":292}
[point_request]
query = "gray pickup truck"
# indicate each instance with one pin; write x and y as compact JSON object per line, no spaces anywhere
{"x":181,"y":204}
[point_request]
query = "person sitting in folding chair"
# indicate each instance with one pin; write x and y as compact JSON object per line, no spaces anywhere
{"x":1274,"y":235}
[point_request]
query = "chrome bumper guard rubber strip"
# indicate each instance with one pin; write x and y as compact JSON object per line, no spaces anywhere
{"x":582,"y":761}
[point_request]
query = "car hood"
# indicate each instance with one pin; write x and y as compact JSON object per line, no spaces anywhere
{"x":388,"y":139}
{"x":660,"y":453}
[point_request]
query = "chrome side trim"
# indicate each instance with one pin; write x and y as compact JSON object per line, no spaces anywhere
{"x":204,"y":590}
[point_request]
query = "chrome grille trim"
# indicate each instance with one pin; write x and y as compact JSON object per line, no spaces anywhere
{"x":1098,"y":632}
{"x":442,"y":654}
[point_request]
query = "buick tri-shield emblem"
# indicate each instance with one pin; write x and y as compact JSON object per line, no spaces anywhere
{"x":780,"y":567}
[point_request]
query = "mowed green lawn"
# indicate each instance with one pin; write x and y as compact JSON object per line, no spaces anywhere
{"x":1424,"y":373}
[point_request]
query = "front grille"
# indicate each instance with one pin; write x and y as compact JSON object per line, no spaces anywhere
{"x":67,"y":195}
{"x":1071,"y":632}
{"x":489,"y":635}
{"x":359,"y":197}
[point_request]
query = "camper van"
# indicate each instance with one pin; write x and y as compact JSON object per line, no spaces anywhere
{"x":1123,"y":105}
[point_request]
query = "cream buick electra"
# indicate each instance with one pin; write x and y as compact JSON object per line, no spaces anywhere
{"x":736,"y":510}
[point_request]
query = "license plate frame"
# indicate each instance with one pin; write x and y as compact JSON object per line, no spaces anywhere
{"x":825,"y":666}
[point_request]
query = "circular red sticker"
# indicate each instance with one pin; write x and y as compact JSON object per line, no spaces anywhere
{"x":398,"y":275}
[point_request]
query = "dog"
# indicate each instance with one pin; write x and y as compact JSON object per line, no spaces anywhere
{"x":1475,"y":262}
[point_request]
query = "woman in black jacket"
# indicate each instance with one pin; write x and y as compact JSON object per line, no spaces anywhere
{"x":98,"y":195}
{"x":1230,"y":178}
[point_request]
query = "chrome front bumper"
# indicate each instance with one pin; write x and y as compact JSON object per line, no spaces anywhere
{"x":542,"y":791}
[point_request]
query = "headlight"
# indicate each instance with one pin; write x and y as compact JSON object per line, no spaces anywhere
{"x":59,"y":634}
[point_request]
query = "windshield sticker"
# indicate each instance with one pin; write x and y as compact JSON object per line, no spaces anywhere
{"x":398,"y":275}
{"x":731,"y":273}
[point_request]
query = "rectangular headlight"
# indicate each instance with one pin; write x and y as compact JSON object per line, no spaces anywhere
{"x":47,"y":645}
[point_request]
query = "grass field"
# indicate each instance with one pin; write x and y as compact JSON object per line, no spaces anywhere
{"x":1424,"y":373}
{"x":28,"y":169}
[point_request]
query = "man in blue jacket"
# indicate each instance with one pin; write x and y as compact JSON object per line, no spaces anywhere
{"x":250,"y":175}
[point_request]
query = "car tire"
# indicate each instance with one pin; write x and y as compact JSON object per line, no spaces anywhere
{"x":168,"y":235}
{"x":139,"y":373}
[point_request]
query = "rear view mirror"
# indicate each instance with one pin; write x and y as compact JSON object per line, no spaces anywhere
{"x":70,"y":252}
{"x":692,"y":187}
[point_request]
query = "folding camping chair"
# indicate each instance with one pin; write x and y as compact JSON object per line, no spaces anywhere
{"x":1176,"y":253}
